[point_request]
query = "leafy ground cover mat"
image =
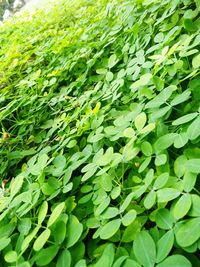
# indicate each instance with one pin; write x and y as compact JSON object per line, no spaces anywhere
{"x":99,"y":150}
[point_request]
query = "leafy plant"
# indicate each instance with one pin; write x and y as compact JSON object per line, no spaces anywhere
{"x":99,"y":112}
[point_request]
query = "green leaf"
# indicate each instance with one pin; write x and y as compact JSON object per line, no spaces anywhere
{"x":110,"y":212}
{"x":164,"y":219}
{"x":189,"y":180}
{"x":107,"y":257}
{"x":188,"y":232}
{"x":150,"y":200}
{"x":126,"y":202}
{"x":81,"y":263}
{"x":11,"y":256}
{"x":16,"y":185}
{"x":129,"y":132}
{"x":4,"y":241}
{"x":164,"y":141}
{"x":140,"y":121}
{"x":109,"y":76}
{"x":146,"y":149}
{"x":193,"y":130}
{"x":160,"y":159}
{"x":196,"y":61}
{"x":129,"y":217}
{"x":195,"y":211}
{"x":144,"y":165}
{"x":46,"y":255}
{"x":180,"y":140}
{"x":74,"y":231}
{"x":56,"y":213}
{"x":64,"y":259}
{"x":161,"y":98}
{"x":29,"y":238}
{"x":115,"y":192}
{"x":112,"y":61}
{"x":41,"y":240}
{"x":181,"y":98}
{"x":42,"y":212}
{"x":180,"y":166}
{"x":102,"y":206}
{"x":24,"y":226}
{"x":185,"y":119}
{"x":167,"y":194}
{"x":109,"y":229}
{"x":161,"y":180}
{"x":150,"y":127}
{"x":182,"y":206}
{"x":59,"y":231}
{"x":144,"y":249}
{"x":175,"y":261}
{"x":131,"y":263}
{"x":164,"y":245}
{"x":193,"y":165}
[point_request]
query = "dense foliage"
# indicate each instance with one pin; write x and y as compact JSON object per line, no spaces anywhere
{"x":99,"y":154}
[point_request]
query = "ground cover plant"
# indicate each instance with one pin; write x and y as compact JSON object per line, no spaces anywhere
{"x":100,"y":131}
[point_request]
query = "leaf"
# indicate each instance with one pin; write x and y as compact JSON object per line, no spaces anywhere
{"x":160,"y":159}
{"x":112,"y":61}
{"x":150,"y":127}
{"x":46,"y":255}
{"x":64,"y":259}
{"x":81,"y":263}
{"x":188,"y":232}
{"x":4,"y":242}
{"x":74,"y":231}
{"x":140,"y":121}
{"x":195,"y":211}
{"x":189,"y":180}
{"x":110,"y":212}
{"x":11,"y":256}
{"x":193,"y":130}
{"x":119,"y":261}
{"x":109,"y":76}
{"x":131,"y":263}
{"x":175,"y":261}
{"x":126,"y":202}
{"x":102,"y":206}
{"x":193,"y":165}
{"x":115,"y":192}
{"x":144,"y":249}
{"x":41,"y":240}
{"x":182,"y":206}
{"x":180,"y":165}
{"x":161,"y":98}
{"x":16,"y":185}
{"x":161,"y":180}
{"x":164,"y":246}
{"x":129,"y":217}
{"x":185,"y":119}
{"x":107,"y":257}
{"x":180,"y":140}
{"x":55,"y":214}
{"x":196,"y":61}
{"x":150,"y":200}
{"x":109,"y":229}
{"x":129,"y":132}
{"x":146,"y":149}
{"x":181,"y":98}
{"x":42,"y":212}
{"x":167,"y":194}
{"x":164,"y":219}
{"x":29,"y":238}
{"x":164,"y":141}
